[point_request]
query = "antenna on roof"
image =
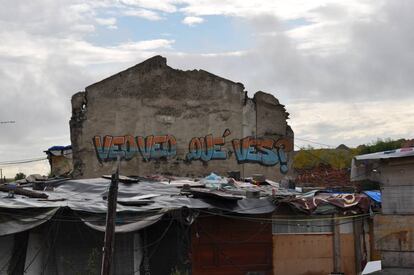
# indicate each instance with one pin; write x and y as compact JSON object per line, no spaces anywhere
{"x":8,"y":122}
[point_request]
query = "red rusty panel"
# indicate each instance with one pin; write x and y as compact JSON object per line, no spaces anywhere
{"x":231,"y":246}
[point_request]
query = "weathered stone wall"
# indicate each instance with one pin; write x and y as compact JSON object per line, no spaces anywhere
{"x":186,"y":123}
{"x":60,"y":165}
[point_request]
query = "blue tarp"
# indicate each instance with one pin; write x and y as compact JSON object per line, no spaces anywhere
{"x":59,"y":148}
{"x":374,"y":195}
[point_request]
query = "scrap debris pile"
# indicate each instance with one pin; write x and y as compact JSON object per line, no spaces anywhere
{"x":323,"y":175}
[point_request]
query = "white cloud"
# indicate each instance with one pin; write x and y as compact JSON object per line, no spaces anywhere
{"x":110,"y":22}
{"x":143,"y":13}
{"x":351,"y":123}
{"x":45,"y":59}
{"x":146,"y":45}
{"x":351,"y":61}
{"x":284,"y":10}
{"x":192,"y":20}
{"x":165,"y":5}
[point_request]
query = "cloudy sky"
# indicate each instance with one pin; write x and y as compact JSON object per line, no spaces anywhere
{"x":344,"y":69}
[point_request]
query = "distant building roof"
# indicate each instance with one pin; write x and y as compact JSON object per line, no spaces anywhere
{"x":398,"y":153}
{"x":343,"y":147}
{"x":59,"y":148}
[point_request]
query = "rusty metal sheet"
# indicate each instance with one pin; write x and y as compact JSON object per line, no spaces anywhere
{"x":225,"y":246}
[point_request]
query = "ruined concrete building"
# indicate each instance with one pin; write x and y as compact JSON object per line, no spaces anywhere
{"x":184,"y":123}
{"x":60,"y":160}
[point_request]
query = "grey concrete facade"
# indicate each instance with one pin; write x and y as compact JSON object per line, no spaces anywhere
{"x":184,"y":123}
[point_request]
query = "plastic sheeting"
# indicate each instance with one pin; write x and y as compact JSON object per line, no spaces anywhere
{"x":14,"y":221}
{"x":374,"y":194}
{"x":125,"y":222}
{"x":326,"y":203}
{"x":86,"y":197}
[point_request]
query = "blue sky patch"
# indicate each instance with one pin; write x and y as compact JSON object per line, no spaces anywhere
{"x":215,"y":34}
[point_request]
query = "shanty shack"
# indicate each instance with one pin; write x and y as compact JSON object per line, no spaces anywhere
{"x":394,"y":228}
{"x":323,"y":231}
{"x":171,"y":225}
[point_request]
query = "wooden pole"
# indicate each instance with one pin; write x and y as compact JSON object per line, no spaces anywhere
{"x":336,"y":245}
{"x":357,"y":226}
{"x":108,"y":248}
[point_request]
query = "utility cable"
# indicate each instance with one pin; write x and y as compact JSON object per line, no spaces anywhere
{"x":39,"y":249}
{"x":155,"y":242}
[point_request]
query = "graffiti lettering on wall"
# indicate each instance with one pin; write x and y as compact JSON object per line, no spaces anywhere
{"x":207,"y":148}
{"x":256,"y":150}
{"x":263,"y":151}
{"x":150,"y":147}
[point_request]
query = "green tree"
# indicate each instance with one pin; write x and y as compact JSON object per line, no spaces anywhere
{"x":308,"y":158}
{"x":380,"y":145}
{"x":19,"y":176}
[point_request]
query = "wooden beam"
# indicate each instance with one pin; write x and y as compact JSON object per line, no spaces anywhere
{"x":336,"y":245}
{"x":357,"y":227}
{"x":109,"y":243}
{"x":21,"y":191}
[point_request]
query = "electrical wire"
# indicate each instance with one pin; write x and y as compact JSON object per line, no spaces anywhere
{"x":302,"y":139}
{"x":29,"y":160}
{"x":252,"y":219}
{"x":226,"y":258}
{"x":286,"y":220}
{"x":262,"y":220}
{"x":39,"y":249}
{"x":144,"y":215}
{"x":23,"y":161}
{"x":156,"y":242}
{"x":260,"y":230}
{"x":51,"y":248}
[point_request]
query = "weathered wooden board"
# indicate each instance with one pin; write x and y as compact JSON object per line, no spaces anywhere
{"x":398,"y":199}
{"x":310,"y":254}
{"x":394,"y":232}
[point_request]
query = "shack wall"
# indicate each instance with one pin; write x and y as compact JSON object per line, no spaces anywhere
{"x":394,"y":236}
{"x":231,"y":246}
{"x":311,"y":254}
{"x":393,"y":229}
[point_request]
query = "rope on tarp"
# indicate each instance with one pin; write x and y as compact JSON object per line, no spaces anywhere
{"x":289,"y":220}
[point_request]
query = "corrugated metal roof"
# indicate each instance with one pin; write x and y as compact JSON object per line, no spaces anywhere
{"x":398,"y":153}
